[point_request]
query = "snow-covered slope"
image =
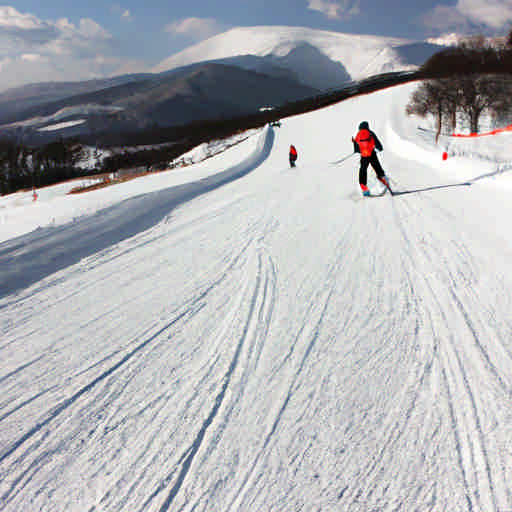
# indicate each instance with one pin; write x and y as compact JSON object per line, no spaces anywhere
{"x":273,"y":342}
{"x":361,"y":55}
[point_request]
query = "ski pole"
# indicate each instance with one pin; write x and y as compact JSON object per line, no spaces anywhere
{"x":344,"y":158}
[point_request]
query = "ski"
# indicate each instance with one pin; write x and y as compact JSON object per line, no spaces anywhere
{"x":385,"y":182}
{"x":390,"y":190}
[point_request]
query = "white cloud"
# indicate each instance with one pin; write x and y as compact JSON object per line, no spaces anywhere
{"x":34,"y":50}
{"x":11,"y":18}
{"x":31,"y":57}
{"x":495,"y":14}
{"x":443,"y":18}
{"x":335,"y":9}
{"x":195,"y":28}
{"x":23,"y":30}
{"x":470,"y":15}
{"x":4,"y":63}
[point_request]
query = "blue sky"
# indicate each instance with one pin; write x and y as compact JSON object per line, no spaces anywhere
{"x":67,"y":40}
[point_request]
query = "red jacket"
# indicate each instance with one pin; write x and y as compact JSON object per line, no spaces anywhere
{"x":293,"y":151}
{"x":365,"y":141}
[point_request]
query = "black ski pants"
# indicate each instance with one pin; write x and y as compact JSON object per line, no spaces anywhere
{"x":365,"y":161}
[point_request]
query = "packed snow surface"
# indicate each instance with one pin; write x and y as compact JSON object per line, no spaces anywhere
{"x":239,"y":335}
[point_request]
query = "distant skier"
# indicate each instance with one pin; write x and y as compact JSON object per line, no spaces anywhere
{"x":366,"y":143}
{"x":293,"y":155}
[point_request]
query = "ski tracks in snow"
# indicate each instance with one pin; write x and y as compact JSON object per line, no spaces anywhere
{"x":456,"y":294}
{"x":58,"y":436}
{"x":355,"y":357}
{"x":249,"y":318}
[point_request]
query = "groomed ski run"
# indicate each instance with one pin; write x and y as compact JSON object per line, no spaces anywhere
{"x":266,"y":343}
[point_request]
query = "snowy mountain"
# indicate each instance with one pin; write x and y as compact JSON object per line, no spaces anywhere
{"x":304,"y":63}
{"x":455,"y":39}
{"x":452,"y":39}
{"x":260,"y":66}
{"x":238,"y":335}
{"x":360,"y":55}
{"x":196,"y":92}
{"x":18,"y":99}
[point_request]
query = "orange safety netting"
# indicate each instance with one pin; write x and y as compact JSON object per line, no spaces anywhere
{"x":493,"y":132}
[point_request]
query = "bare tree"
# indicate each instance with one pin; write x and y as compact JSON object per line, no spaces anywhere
{"x":476,"y":94}
{"x":473,"y":42}
{"x":470,"y":95}
{"x":501,"y":106}
{"x":431,"y":98}
{"x":466,"y":91}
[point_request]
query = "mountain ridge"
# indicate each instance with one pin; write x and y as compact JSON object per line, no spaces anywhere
{"x":205,"y":91}
{"x":286,"y":63}
{"x":354,"y":51}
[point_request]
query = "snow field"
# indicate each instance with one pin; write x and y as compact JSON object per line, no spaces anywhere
{"x":275,"y":343}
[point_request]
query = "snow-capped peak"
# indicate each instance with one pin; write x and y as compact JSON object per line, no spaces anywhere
{"x":452,"y":39}
{"x":360,"y":54}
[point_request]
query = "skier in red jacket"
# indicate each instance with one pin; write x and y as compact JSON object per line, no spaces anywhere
{"x":367,"y":144}
{"x":293,"y":155}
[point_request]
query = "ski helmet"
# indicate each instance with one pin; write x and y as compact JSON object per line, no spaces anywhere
{"x":363,"y":125}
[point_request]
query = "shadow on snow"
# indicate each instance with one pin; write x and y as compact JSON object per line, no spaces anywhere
{"x":29,"y":258}
{"x":415,"y":191}
{"x":462,"y":184}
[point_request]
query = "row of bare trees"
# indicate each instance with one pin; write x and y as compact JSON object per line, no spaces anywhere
{"x":468,"y":96}
{"x":475,"y":78}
